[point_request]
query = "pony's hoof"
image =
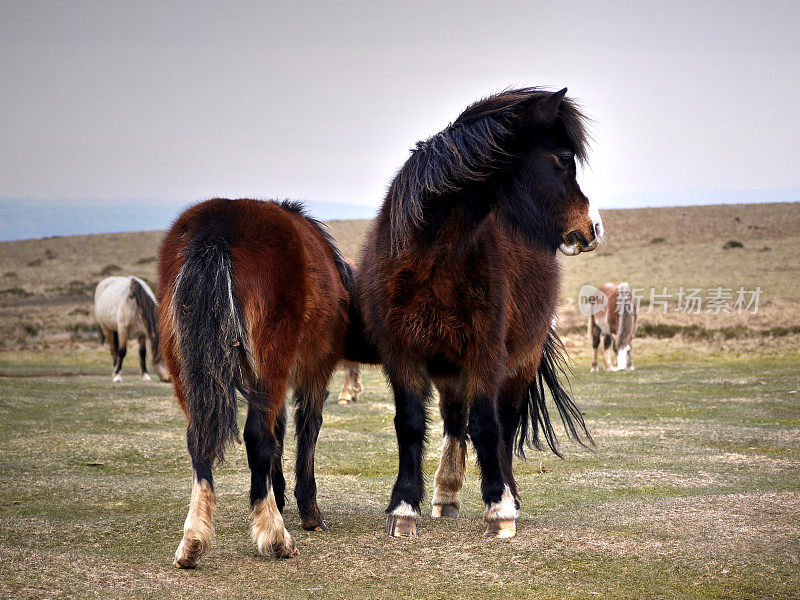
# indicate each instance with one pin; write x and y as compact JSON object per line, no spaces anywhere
{"x":188,"y":554}
{"x":286,"y":550}
{"x":593,"y":370}
{"x":401,"y":526}
{"x":146,"y":377}
{"x":316,"y":523}
{"x":341,"y":400}
{"x":501,"y":529}
{"x":282,"y":546}
{"x":117,"y":378}
{"x":444,"y":511}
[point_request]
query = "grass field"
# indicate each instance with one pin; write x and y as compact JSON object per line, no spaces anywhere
{"x":692,"y":492}
{"x":46,"y":285}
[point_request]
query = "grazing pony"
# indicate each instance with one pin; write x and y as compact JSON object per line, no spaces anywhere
{"x":125,"y":307}
{"x":255,"y":298}
{"x":614,"y":325}
{"x":351,"y":383}
{"x":458,"y":284}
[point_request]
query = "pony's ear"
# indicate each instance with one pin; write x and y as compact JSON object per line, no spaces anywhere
{"x":546,"y":109}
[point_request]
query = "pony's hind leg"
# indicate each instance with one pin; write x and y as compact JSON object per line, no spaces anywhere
{"x":121,"y":341}
{"x":449,"y":478}
{"x":268,"y":530}
{"x":113,"y":344}
{"x":309,"y":398}
{"x":484,"y":430}
{"x":351,"y":383}
{"x":278,"y":480}
{"x":198,"y":529}
{"x":143,"y":357}
{"x":608,"y":363}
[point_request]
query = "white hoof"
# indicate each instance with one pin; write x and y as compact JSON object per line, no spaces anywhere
{"x":146,"y":377}
{"x":117,"y":378}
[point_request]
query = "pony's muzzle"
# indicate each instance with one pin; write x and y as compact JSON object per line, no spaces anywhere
{"x":576,"y":241}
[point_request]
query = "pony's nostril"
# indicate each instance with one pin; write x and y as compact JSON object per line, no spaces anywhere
{"x":577,"y":238}
{"x":597,"y":229}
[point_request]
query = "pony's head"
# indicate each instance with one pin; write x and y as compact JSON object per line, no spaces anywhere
{"x":515,"y":152}
{"x":540,"y":194}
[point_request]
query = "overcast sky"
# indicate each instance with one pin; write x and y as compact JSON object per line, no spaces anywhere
{"x":323,"y":100}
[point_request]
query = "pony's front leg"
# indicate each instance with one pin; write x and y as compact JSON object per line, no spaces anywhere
{"x":198,"y":529}
{"x":308,"y":421}
{"x":410,"y":424}
{"x":143,"y":357}
{"x":608,"y":363}
{"x":596,"y":335}
{"x":484,"y":430}
{"x":268,"y":531}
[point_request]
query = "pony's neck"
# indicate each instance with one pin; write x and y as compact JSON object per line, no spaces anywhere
{"x":450,"y":223}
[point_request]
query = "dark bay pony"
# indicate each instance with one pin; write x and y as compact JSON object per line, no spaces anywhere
{"x":458,"y":285}
{"x":254,"y":297}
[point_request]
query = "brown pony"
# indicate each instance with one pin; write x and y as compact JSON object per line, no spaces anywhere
{"x":614,"y":325}
{"x":254,"y":297}
{"x":458,"y":285}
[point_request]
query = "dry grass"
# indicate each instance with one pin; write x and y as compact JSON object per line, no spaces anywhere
{"x":46,"y":285}
{"x":692,"y":492}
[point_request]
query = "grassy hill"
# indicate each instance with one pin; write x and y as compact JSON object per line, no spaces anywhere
{"x":46,"y":285}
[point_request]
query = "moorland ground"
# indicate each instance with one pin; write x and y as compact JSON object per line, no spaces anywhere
{"x":46,"y":285}
{"x":692,"y":491}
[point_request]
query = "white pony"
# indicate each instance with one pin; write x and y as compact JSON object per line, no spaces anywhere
{"x":614,"y":325}
{"x":125,"y":307}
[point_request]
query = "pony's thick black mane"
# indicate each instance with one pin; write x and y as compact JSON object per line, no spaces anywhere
{"x":478,"y":144}
{"x":342,"y":266}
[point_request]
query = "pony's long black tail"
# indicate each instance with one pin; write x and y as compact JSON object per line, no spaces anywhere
{"x":535,"y":416}
{"x":210,"y":338}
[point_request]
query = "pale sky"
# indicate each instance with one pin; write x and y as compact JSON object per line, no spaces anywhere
{"x":323,"y":100}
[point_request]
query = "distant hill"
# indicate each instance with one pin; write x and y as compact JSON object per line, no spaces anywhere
{"x":25,"y":218}
{"x":699,"y":197}
{"x":46,"y":285}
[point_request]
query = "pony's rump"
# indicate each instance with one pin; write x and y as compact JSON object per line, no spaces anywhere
{"x":535,"y":415}
{"x":210,"y":336}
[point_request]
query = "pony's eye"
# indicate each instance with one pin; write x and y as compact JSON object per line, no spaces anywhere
{"x":564,"y":159}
